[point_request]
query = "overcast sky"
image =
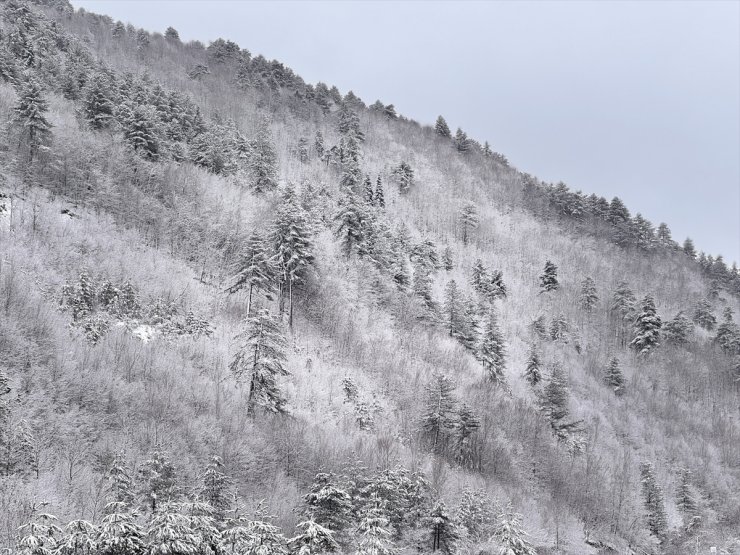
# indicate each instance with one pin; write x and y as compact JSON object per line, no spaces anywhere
{"x":635,"y":99}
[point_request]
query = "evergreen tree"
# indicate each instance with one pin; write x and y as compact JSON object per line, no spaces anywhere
{"x":618,"y":213}
{"x":263,"y":161}
{"x":652,"y":496}
{"x":623,"y":305}
{"x":367,"y":192}
{"x":492,"y":352}
{"x":439,"y":416}
{"x":549,"y":278}
{"x":728,"y":334}
{"x":351,"y":172}
{"x":30,"y":116}
{"x":686,"y":501}
{"x":351,"y":220}
{"x":120,"y":486}
{"x":532,"y":372}
{"x":79,"y":539}
{"x":510,"y":535}
{"x":254,"y":271}
{"x":588,"y":297}
{"x":157,"y":483}
{"x":539,"y":327}
{"x":468,"y":333}
{"x":469,"y":220}
{"x":40,"y":536}
{"x":479,"y":277}
{"x":318,"y":145}
{"x":444,"y":533}
{"x":379,"y":195}
{"x":664,"y":236}
{"x":214,"y":485}
{"x":119,"y":533}
{"x":170,"y":533}
{"x":314,"y":539}
{"x":374,"y":530}
{"x":475,"y":514}
{"x":467,"y":423}
{"x":452,"y":308}
{"x":647,"y":327}
{"x":441,"y":128}
{"x":328,"y":504}
{"x":688,"y":248}
{"x":559,"y":328}
{"x":290,"y":236}
{"x":613,"y":377}
{"x":140,"y":129}
{"x":448,"y":262}
{"x":462,"y":143}
{"x":703,"y":315}
{"x":554,"y":404}
{"x":259,"y":361}
{"x":98,"y":106}
{"x":678,"y":330}
{"x":404,"y":175}
{"x":171,"y":34}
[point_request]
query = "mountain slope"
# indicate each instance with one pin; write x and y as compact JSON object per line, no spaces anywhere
{"x":122,"y":232}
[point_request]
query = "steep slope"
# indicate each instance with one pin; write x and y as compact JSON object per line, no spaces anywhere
{"x":122,"y":231}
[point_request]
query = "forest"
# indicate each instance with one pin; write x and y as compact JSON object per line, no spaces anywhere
{"x":245,"y":314}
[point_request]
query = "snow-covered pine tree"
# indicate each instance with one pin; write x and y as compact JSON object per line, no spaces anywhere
{"x":80,"y":538}
{"x":511,"y":536}
{"x":263,"y":160}
{"x":259,"y":361}
{"x":30,"y":116}
{"x":475,"y":514}
{"x":703,"y":315}
{"x":553,"y":403}
{"x":314,"y":539}
{"x":469,"y":220}
{"x":98,"y":106}
{"x":614,"y":377}
{"x":351,"y":220}
{"x":492,"y":350}
{"x":532,"y":372}
{"x":157,"y":480}
{"x":728,"y":334}
{"x":120,"y":487}
{"x":329,"y":504}
{"x":40,"y":535}
{"x":623,"y":306}
{"x":119,"y":533}
{"x":169,"y":532}
{"x":214,"y":488}
{"x":647,"y":327}
{"x":466,"y":425}
{"x":479,"y":277}
{"x":367,"y":191}
{"x":448,"y":260}
{"x":439,"y":417}
{"x":688,"y":248}
{"x":444,"y":532}
{"x":404,"y":176}
{"x":652,"y":497}
{"x":452,"y":308}
{"x":559,"y":328}
{"x":549,"y":277}
{"x":588,"y":297}
{"x":441,"y":128}
{"x":462,"y":143}
{"x":255,"y":270}
{"x":379,"y":195}
{"x":678,"y":330}
{"x":375,"y":530}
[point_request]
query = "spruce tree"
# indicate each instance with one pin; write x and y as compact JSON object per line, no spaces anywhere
{"x":379,"y":195}
{"x":469,"y":220}
{"x":119,"y":533}
{"x":452,"y":308}
{"x":511,"y":536}
{"x":318,"y":145}
{"x":613,"y":377}
{"x":80,"y":538}
{"x":467,"y":423}
{"x":351,"y":222}
{"x":404,"y":175}
{"x":120,"y":486}
{"x":214,"y":486}
{"x":171,"y":34}
{"x":532,"y":372}
{"x":98,"y":106}
{"x":170,"y":533}
{"x":492,"y":352}
{"x":30,"y":116}
{"x":652,"y":496}
{"x":259,"y":361}
{"x":374,"y":530}
{"x":479,"y":277}
{"x":703,"y":315}
{"x":647,"y":327}
{"x":448,"y":262}
{"x":444,"y":533}
{"x":462,"y":143}
{"x":678,"y":330}
{"x":157,"y":480}
{"x":329,"y":504}
{"x":549,"y":278}
{"x":589,"y":296}
{"x":367,"y":191}
{"x":728,"y":334}
{"x":314,"y":539}
{"x":559,"y":328}
{"x":475,"y":514}
{"x":554,"y":404}
{"x":263,"y":161}
{"x":686,"y":501}
{"x":441,"y":128}
{"x":255,"y":269}
{"x":40,"y":536}
{"x":439,"y":416}
{"x":688,"y":248}
{"x":623,"y":305}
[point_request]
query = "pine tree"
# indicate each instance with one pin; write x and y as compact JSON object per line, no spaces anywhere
{"x":171,"y":34}
{"x":492,"y":352}
{"x":119,"y":534}
{"x":475,"y":514}
{"x":351,"y":172}
{"x":79,"y":539}
{"x":686,"y":501}
{"x":30,"y":116}
{"x":469,"y":220}
{"x":328,"y":504}
{"x":170,"y":533}
{"x":688,"y":248}
{"x":352,"y":222}
{"x":260,"y":360}
{"x":140,"y":128}
{"x":647,"y":327}
{"x":374,"y":530}
{"x":439,"y":416}
{"x":255,"y":269}
{"x":462,"y":143}
{"x":467,"y":423}
{"x":98,"y":106}
{"x":510,"y":535}
{"x":479,"y":277}
{"x":678,"y":330}
{"x":613,"y":377}
{"x":40,"y":536}
{"x":120,"y":487}
{"x":532,"y":372}
{"x":367,"y":191}
{"x":554,"y":404}
{"x":448,"y":262}
{"x":263,"y":161}
{"x":314,"y":539}
{"x":318,"y":145}
{"x":214,"y":485}
{"x":703,"y":315}
{"x":539,"y":327}
{"x":290,"y":237}
{"x":444,"y":533}
{"x":623,"y":304}
{"x":404,"y":175}
{"x":728,"y":334}
{"x":379,"y":195}
{"x":664,"y":236}
{"x":441,"y":128}
{"x":157,"y":480}
{"x":652,"y":496}
{"x":588,"y":297}
{"x":549,"y":278}
{"x":469,"y":332}
{"x":452,"y":308}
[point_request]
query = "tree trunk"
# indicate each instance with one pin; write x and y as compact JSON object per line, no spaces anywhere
{"x":290,"y":297}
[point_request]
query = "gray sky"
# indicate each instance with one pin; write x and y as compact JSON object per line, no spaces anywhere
{"x":635,"y":99}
